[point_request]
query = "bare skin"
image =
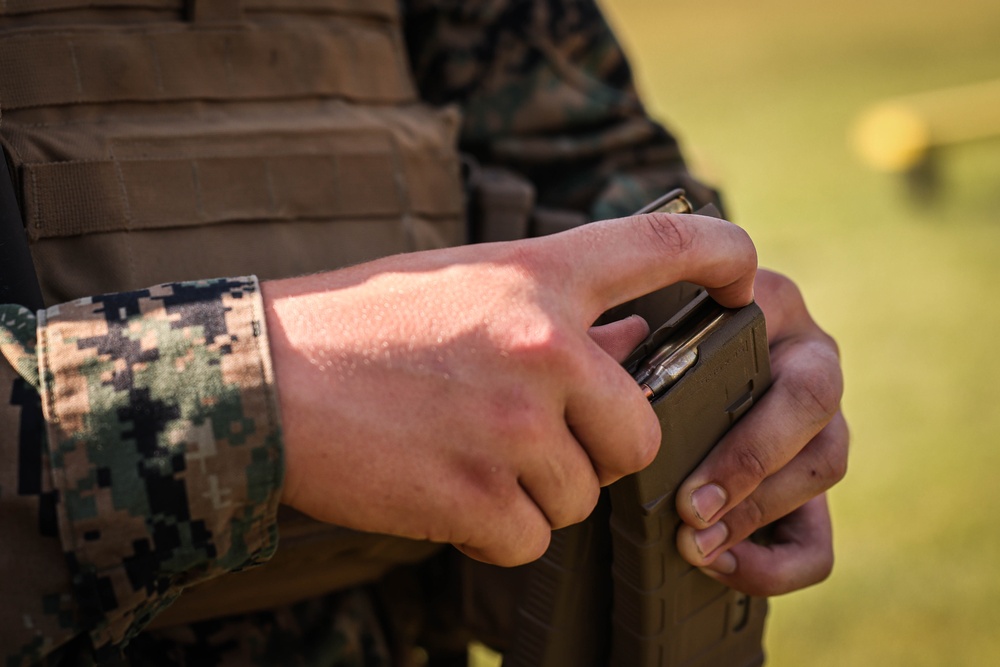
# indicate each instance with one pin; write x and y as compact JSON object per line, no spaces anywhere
{"x":462,"y":396}
{"x":775,"y":465}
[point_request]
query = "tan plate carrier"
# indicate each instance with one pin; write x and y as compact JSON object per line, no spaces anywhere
{"x":163,"y":140}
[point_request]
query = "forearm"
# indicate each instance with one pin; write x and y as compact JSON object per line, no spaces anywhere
{"x":452,"y":395}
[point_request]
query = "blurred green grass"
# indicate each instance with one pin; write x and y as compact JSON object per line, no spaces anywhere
{"x":762,"y":95}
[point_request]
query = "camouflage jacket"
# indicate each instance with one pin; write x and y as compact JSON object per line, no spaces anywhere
{"x":147,"y":451}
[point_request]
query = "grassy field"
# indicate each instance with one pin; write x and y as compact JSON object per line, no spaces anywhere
{"x":763,"y":94}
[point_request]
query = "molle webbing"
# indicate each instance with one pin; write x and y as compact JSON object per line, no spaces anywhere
{"x":291,"y":121}
{"x":154,"y":63}
{"x":316,"y":171}
{"x":385,"y":9}
{"x":216,"y":189}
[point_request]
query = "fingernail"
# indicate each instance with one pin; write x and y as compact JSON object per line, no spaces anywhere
{"x":724,"y":564}
{"x":710,"y":539}
{"x":708,"y":500}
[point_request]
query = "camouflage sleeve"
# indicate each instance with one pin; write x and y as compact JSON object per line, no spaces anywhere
{"x":160,"y":447}
{"x":547,"y":92}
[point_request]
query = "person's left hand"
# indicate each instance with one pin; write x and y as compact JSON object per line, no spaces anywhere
{"x":775,"y":465}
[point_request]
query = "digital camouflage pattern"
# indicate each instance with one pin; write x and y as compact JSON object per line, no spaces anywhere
{"x":164,"y":445}
{"x":18,"y":328}
{"x":336,"y":630}
{"x":164,"y":466}
{"x":547,"y":91}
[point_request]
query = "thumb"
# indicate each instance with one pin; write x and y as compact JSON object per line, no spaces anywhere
{"x":613,"y":261}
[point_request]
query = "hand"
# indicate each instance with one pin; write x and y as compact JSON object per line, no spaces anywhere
{"x":775,"y":464}
{"x":459,"y":396}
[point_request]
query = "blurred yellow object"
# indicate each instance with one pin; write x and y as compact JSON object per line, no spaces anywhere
{"x":891,"y":137}
{"x":482,"y":656}
{"x":895,"y":135}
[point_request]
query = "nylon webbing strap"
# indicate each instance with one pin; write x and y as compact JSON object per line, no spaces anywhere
{"x":379,"y":8}
{"x":69,"y":198}
{"x":156,"y":63}
{"x":21,"y":7}
{"x":213,"y":11}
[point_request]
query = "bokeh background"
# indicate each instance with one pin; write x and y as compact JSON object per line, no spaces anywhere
{"x":763,"y":95}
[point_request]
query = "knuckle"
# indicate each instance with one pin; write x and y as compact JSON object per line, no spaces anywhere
{"x":686,"y":545}
{"x":784,"y":294}
{"x":647,"y":445}
{"x":491,"y":489}
{"x":750,"y":462}
{"x":647,"y":450}
{"x":825,"y":566}
{"x":531,"y":426}
{"x":508,"y":542}
{"x":581,"y":507}
{"x":833,"y":458}
{"x":772,"y":585}
{"x":830,"y":343}
{"x":446,"y":533}
{"x":571,"y":494}
{"x":753,"y":514}
{"x":780,"y":578}
{"x":784,"y":289}
{"x":749,"y":255}
{"x":513,"y":421}
{"x":814,"y":399}
{"x":546,"y":347}
{"x":533,"y":545}
{"x":668,"y":233}
{"x":633,"y":454}
{"x":817,"y":390}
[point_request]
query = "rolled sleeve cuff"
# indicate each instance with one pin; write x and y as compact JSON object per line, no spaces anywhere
{"x":164,"y":440}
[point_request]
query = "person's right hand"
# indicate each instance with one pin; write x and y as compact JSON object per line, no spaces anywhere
{"x":460,"y":395}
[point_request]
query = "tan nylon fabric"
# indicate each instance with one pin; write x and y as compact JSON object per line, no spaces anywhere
{"x":152,"y":149}
{"x":274,"y":59}
{"x":325,"y":161}
{"x":332,"y":181}
{"x":372,"y":8}
{"x":311,"y":558}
